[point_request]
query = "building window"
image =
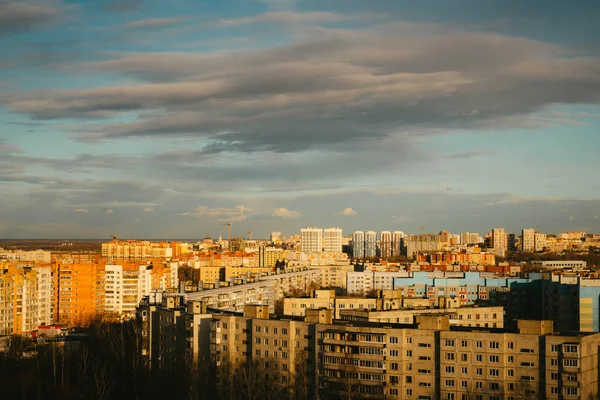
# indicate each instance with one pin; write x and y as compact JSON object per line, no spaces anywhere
{"x":494,"y":345}
{"x":464,"y":343}
{"x":449,"y":369}
{"x":464,"y":357}
{"x":464,"y":370}
{"x":449,"y":382}
{"x":555,"y":348}
{"x":450,"y":356}
{"x":494,"y":359}
{"x":570,"y":362}
{"x":494,"y":372}
{"x":510,"y":372}
{"x":479,"y":371}
{"x":449,"y":342}
{"x":479,"y":357}
{"x":479,"y":344}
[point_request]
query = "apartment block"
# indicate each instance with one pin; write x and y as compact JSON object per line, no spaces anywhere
{"x":78,"y":292}
{"x":385,"y":244}
{"x":397,"y":243}
{"x":332,"y":240}
{"x":325,"y":299}
{"x":263,"y":290}
{"x":18,"y":300}
{"x":358,"y":244}
{"x":527,"y":239}
{"x":366,"y":281}
{"x":485,"y":317}
{"x":137,"y":250}
{"x":311,"y":240}
{"x":269,"y":255}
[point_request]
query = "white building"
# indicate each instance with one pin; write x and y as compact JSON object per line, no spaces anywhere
{"x":311,"y":240}
{"x":499,"y":239}
{"x":332,"y":240}
{"x":358,"y":244}
{"x":386,"y":244}
{"x":539,"y":242}
{"x":44,"y":294}
{"x":124,"y":288}
{"x":370,"y":244}
{"x":397,"y":237}
{"x":363,"y":282}
{"x":527,"y":239}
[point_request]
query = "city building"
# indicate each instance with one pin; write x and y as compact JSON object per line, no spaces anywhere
{"x":499,"y":239}
{"x":332,"y":240}
{"x":311,"y":240}
{"x":370,"y":244}
{"x":429,"y":359}
{"x":297,"y":306}
{"x":18,"y":300}
{"x":269,"y":255}
{"x":386,"y":244}
{"x":78,"y":293}
{"x":397,"y":243}
{"x":539,"y":243}
{"x":527,"y":239}
{"x":358,"y":244}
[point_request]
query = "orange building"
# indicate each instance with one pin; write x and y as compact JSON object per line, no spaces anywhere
{"x":78,"y":292}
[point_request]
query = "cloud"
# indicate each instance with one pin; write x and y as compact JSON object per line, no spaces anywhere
{"x":292,"y":17}
{"x":21,"y":16}
{"x":351,"y":88}
{"x":348,"y":212}
{"x":284,"y":213}
{"x":80,"y":210}
{"x":237,"y":213}
{"x":470,"y":154}
{"x":119,"y":6}
{"x":109,"y":211}
{"x":7,"y":148}
{"x":148,"y":210}
{"x":154,"y":23}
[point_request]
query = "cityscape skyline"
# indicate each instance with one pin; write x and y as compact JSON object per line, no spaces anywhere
{"x":154,"y":120}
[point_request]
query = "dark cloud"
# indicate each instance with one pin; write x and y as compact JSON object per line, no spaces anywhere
{"x":18,"y":17}
{"x":346,"y":87}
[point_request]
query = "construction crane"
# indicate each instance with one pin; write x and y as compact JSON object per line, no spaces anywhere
{"x":250,"y":234}
{"x":228,"y":224}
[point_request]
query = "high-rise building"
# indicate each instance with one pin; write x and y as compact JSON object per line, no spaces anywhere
{"x":527,"y":239}
{"x":332,"y":240}
{"x":499,"y":239}
{"x":268,"y":255}
{"x":397,"y":238}
{"x":276,"y":237}
{"x":370,"y":244}
{"x":539,"y":241}
{"x":311,"y":240}
{"x":78,"y":292}
{"x":386,"y":244}
{"x":358,"y":244}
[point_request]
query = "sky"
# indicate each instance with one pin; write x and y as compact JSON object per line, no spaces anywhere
{"x":154,"y":119}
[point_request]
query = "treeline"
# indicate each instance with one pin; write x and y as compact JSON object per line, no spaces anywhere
{"x":108,"y":364}
{"x":591,"y":257}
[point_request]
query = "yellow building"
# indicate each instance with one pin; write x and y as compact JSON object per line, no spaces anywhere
{"x":78,"y":293}
{"x":18,"y":299}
